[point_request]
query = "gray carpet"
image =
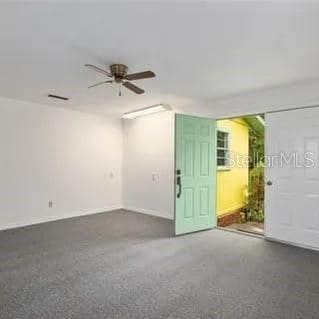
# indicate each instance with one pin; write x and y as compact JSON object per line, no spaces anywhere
{"x":128,"y":265}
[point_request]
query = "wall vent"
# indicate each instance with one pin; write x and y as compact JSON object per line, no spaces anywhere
{"x":53,"y":96}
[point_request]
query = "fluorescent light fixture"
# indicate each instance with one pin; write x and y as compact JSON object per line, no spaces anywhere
{"x":260,"y":119}
{"x":146,"y":111}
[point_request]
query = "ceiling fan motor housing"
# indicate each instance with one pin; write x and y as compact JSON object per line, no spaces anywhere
{"x":119,"y":71}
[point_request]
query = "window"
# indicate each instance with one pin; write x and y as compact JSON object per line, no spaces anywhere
{"x":222,"y":149}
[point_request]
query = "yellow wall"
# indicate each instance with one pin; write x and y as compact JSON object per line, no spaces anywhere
{"x":232,"y":183}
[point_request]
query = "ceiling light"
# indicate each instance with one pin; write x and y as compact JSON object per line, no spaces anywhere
{"x":146,"y":111}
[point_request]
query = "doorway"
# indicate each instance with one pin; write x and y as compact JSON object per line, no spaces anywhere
{"x":219,"y":174}
{"x":240,"y":173}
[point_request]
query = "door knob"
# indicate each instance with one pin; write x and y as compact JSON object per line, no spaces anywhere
{"x":269,"y":183}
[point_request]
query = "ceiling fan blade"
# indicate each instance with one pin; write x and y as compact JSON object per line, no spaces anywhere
{"x":140,"y":75}
{"x":100,"y":83}
{"x":133,"y":87}
{"x":97,"y":69}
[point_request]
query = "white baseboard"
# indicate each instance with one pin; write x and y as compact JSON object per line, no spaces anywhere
{"x":46,"y":219}
{"x":291,"y":243}
{"x":156,"y":213}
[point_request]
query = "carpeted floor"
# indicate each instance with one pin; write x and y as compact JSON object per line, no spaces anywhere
{"x":128,"y":265}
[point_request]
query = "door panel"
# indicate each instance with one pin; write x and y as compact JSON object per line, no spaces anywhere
{"x":195,"y":159}
{"x":292,"y":201}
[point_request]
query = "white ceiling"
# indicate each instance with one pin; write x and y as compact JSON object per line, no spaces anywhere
{"x":198,"y":50}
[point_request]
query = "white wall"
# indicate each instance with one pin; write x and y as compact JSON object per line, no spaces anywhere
{"x":148,"y":184}
{"x":48,"y":153}
{"x":271,"y":99}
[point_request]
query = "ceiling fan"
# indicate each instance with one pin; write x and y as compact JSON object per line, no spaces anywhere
{"x":118,"y":74}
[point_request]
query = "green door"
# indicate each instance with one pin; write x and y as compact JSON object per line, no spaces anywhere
{"x":195,"y":168}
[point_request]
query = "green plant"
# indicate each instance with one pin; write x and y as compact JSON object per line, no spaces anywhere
{"x":256,"y":149}
{"x":255,"y":199}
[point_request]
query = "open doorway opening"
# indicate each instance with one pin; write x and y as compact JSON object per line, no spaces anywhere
{"x":240,"y":173}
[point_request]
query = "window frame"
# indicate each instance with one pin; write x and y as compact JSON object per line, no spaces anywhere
{"x":227,"y":149}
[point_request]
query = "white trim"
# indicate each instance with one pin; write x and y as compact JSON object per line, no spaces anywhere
{"x":289,"y":243}
{"x":222,"y":129}
{"x":56,"y":218}
{"x":223,"y":168}
{"x":156,"y":213}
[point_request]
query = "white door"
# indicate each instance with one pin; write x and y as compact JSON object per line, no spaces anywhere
{"x":292,"y":201}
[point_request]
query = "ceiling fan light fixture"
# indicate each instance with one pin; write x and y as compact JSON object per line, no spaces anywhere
{"x":118,"y":73}
{"x":146,"y":111}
